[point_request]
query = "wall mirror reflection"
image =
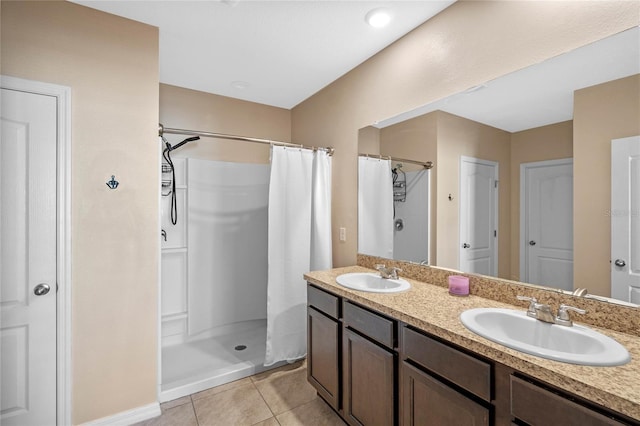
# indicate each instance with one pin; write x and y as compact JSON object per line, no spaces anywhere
{"x":521,"y":186}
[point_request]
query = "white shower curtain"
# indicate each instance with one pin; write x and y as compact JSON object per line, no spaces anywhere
{"x":321,"y":254}
{"x":299,"y":237}
{"x":375,"y":207}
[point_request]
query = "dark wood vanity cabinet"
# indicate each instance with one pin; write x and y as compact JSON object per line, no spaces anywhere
{"x":535,"y":404}
{"x":374,"y":370}
{"x":427,"y":401}
{"x":351,"y":359}
{"x":369,"y":367}
{"x":441,"y":385}
{"x":324,"y":344}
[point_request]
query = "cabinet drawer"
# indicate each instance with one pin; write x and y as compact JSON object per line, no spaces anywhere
{"x":372,"y":325}
{"x":459,"y":368}
{"x":535,"y":405}
{"x":323,"y":301}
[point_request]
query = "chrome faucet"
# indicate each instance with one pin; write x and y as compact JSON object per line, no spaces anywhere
{"x":388,"y":273}
{"x":580,"y":292}
{"x":563,"y":317}
{"x":542,"y":312}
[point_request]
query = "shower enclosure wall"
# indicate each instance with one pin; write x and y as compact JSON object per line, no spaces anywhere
{"x":412,"y":218}
{"x":214,"y":275}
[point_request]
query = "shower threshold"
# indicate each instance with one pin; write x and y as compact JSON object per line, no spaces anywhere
{"x":198,"y":365}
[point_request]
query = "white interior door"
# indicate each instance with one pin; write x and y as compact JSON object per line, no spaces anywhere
{"x":28,"y":259}
{"x":625,"y":219}
{"x":478,"y":216}
{"x":546,"y":212}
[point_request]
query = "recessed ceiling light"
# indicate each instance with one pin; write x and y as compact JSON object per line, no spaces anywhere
{"x":240,"y":85}
{"x":378,"y":18}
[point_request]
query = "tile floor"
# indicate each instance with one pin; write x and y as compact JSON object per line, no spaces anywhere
{"x":277,"y":397}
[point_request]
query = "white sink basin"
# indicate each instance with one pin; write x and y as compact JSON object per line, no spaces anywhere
{"x":368,"y":281}
{"x":574,"y":345}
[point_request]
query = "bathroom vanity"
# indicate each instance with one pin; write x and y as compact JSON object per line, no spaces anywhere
{"x":406,"y":359}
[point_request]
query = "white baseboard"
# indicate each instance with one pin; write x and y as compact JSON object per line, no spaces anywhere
{"x":128,"y":417}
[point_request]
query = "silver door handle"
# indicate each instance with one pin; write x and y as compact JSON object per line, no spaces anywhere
{"x":41,"y":289}
{"x":619,"y":262}
{"x":532,"y":243}
{"x":465,"y":245}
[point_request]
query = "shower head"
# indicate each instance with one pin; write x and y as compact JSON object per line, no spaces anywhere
{"x":179,"y":144}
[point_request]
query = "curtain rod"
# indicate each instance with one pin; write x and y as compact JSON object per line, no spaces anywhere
{"x":168,"y":130}
{"x":426,"y":165}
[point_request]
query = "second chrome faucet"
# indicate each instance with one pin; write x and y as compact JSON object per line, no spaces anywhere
{"x":388,"y":273}
{"x":542,"y":312}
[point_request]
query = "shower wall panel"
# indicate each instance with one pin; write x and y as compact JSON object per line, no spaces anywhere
{"x":227,"y":243}
{"x":412,"y":242}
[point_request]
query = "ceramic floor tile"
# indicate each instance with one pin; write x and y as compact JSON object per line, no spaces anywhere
{"x":314,"y":413}
{"x":279,"y":371}
{"x":285,"y":389}
{"x":182,"y":415}
{"x":221,"y":388}
{"x":240,"y":405}
{"x":175,"y":402}
{"x":269,"y":422}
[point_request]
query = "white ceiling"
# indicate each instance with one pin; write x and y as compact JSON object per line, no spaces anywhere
{"x":541,"y":94}
{"x":271,"y":52}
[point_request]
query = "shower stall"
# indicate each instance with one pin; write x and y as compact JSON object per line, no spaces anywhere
{"x":218,"y":266}
{"x":214,"y":274}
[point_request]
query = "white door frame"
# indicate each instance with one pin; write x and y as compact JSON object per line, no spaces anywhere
{"x":524,"y":270}
{"x":63,"y":244}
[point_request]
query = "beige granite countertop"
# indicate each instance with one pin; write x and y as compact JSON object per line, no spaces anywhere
{"x":431,"y":308}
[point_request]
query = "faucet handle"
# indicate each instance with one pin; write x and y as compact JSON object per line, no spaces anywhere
{"x":532,"y":303}
{"x":394,"y":272}
{"x":563,"y":317}
{"x":379,"y":266}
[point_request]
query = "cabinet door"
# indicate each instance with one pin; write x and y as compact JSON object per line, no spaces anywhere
{"x":324,"y":356}
{"x":426,"y":401}
{"x":369,"y":382}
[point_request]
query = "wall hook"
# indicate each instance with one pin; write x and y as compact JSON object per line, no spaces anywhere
{"x":450,"y":197}
{"x":113,"y":183}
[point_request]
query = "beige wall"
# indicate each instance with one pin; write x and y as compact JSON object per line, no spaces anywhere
{"x":601,"y":113}
{"x":111,"y":65}
{"x":369,"y":140}
{"x":190,"y":109}
{"x":467,"y":44}
{"x":550,"y":142}
{"x":458,"y":136}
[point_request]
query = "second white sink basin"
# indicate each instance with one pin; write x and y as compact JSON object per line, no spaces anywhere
{"x":368,"y":281}
{"x":574,"y":345}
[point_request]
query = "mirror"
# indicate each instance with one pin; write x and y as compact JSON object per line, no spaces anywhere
{"x":512,"y":132}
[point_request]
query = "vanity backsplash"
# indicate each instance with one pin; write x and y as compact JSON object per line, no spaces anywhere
{"x":600,"y":314}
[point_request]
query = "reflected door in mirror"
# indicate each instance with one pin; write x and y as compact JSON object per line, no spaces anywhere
{"x":625,"y":219}
{"x":478,"y":216}
{"x":547,"y":223}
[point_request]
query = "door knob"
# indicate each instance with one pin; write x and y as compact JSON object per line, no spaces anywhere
{"x":41,"y":289}
{"x":532,"y":243}
{"x":619,"y":262}
{"x":465,"y":245}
